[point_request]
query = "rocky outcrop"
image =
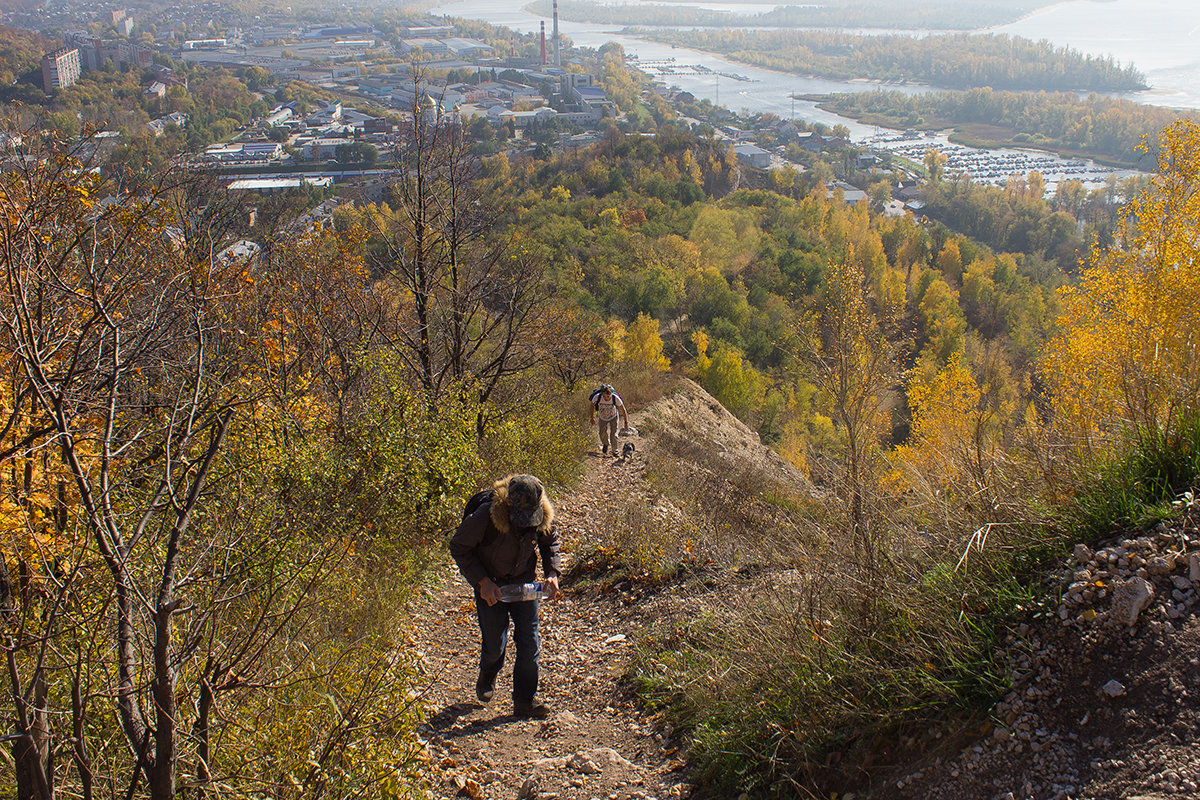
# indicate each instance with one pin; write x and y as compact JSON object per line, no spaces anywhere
{"x":1102,"y":699}
{"x":1118,"y":583}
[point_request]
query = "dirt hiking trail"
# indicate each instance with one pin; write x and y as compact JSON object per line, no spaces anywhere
{"x":596,"y":742}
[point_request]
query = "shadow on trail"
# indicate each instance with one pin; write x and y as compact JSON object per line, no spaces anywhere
{"x":451,"y":714}
{"x":446,"y":721}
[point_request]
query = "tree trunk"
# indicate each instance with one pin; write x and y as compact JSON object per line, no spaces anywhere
{"x":201,"y":734}
{"x":31,"y":747}
{"x":35,"y":767}
{"x":78,"y":713}
{"x":162,"y":780}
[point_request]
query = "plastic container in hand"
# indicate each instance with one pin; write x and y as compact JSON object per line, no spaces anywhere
{"x":520,"y":592}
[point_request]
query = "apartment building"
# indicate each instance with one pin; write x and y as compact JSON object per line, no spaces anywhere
{"x":61,"y":68}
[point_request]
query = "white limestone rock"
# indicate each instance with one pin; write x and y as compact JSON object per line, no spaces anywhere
{"x":1130,"y":598}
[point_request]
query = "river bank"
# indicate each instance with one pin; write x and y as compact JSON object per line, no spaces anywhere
{"x":759,"y":90}
{"x":988,"y":137}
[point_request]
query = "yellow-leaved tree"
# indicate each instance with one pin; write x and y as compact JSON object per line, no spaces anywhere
{"x":1127,"y":359}
{"x":945,"y":424}
{"x":733,"y":382}
{"x":960,"y":417}
{"x":644,"y":344}
{"x":851,"y":359}
{"x":700,"y":342}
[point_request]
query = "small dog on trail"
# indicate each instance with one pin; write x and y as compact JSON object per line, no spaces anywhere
{"x":627,"y":451}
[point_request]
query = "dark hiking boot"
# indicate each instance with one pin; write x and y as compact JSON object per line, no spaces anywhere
{"x":534,"y":709}
{"x":485,"y":690}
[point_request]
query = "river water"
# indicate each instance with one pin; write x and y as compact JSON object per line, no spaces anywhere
{"x":766,"y":91}
{"x":1159,"y":36}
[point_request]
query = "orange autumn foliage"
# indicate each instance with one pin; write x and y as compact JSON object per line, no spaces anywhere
{"x":1127,"y":360}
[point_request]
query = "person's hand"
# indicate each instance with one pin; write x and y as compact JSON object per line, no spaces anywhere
{"x":489,"y":591}
{"x":551,"y":587}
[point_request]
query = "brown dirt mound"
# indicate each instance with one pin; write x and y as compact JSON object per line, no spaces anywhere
{"x":694,"y":412}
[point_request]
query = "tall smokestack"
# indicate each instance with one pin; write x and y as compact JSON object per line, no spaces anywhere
{"x":557,"y":59}
{"x":543,"y":39}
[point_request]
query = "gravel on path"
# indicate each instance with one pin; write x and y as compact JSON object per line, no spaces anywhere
{"x":597,"y":742}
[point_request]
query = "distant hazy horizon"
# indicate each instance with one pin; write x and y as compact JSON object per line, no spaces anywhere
{"x":1160,"y":37}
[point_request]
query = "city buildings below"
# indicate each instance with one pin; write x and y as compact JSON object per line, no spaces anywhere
{"x":499,"y":115}
{"x":284,"y":59}
{"x":430,"y":48}
{"x":340,"y":32}
{"x":164,"y":74}
{"x":241,"y":252}
{"x":323,"y":148}
{"x":850,"y":194}
{"x":279,"y":115}
{"x":176,"y":118}
{"x":328,"y":115}
{"x":752,"y":155}
{"x":319,"y":218}
{"x":260,"y":36}
{"x":272,"y":185}
{"x":406,"y":97}
{"x":60,"y":69}
{"x":467,"y":48}
{"x":94,"y":52}
{"x":136,"y":56}
{"x":417,"y":30}
{"x":269,"y":151}
{"x":354,"y":62}
{"x":205,"y":44}
{"x":243,"y":154}
{"x":98,"y":146}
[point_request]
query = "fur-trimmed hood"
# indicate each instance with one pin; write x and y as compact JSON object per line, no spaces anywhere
{"x":499,"y":508}
{"x":485,"y":545}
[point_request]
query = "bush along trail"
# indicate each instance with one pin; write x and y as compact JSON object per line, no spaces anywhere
{"x":596,"y":743}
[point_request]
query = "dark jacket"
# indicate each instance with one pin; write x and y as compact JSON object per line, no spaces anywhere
{"x":486,"y":546}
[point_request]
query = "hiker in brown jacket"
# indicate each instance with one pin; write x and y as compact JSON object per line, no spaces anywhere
{"x":498,"y":545}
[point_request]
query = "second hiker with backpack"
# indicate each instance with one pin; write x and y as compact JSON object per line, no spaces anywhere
{"x":607,"y":405}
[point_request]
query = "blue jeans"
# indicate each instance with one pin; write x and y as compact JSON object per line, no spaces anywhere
{"x":493,"y":633}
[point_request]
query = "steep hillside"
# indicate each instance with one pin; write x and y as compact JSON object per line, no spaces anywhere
{"x":1103,"y":685}
{"x":1097,"y":707}
{"x":691,"y":413}
{"x":598,"y":741}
